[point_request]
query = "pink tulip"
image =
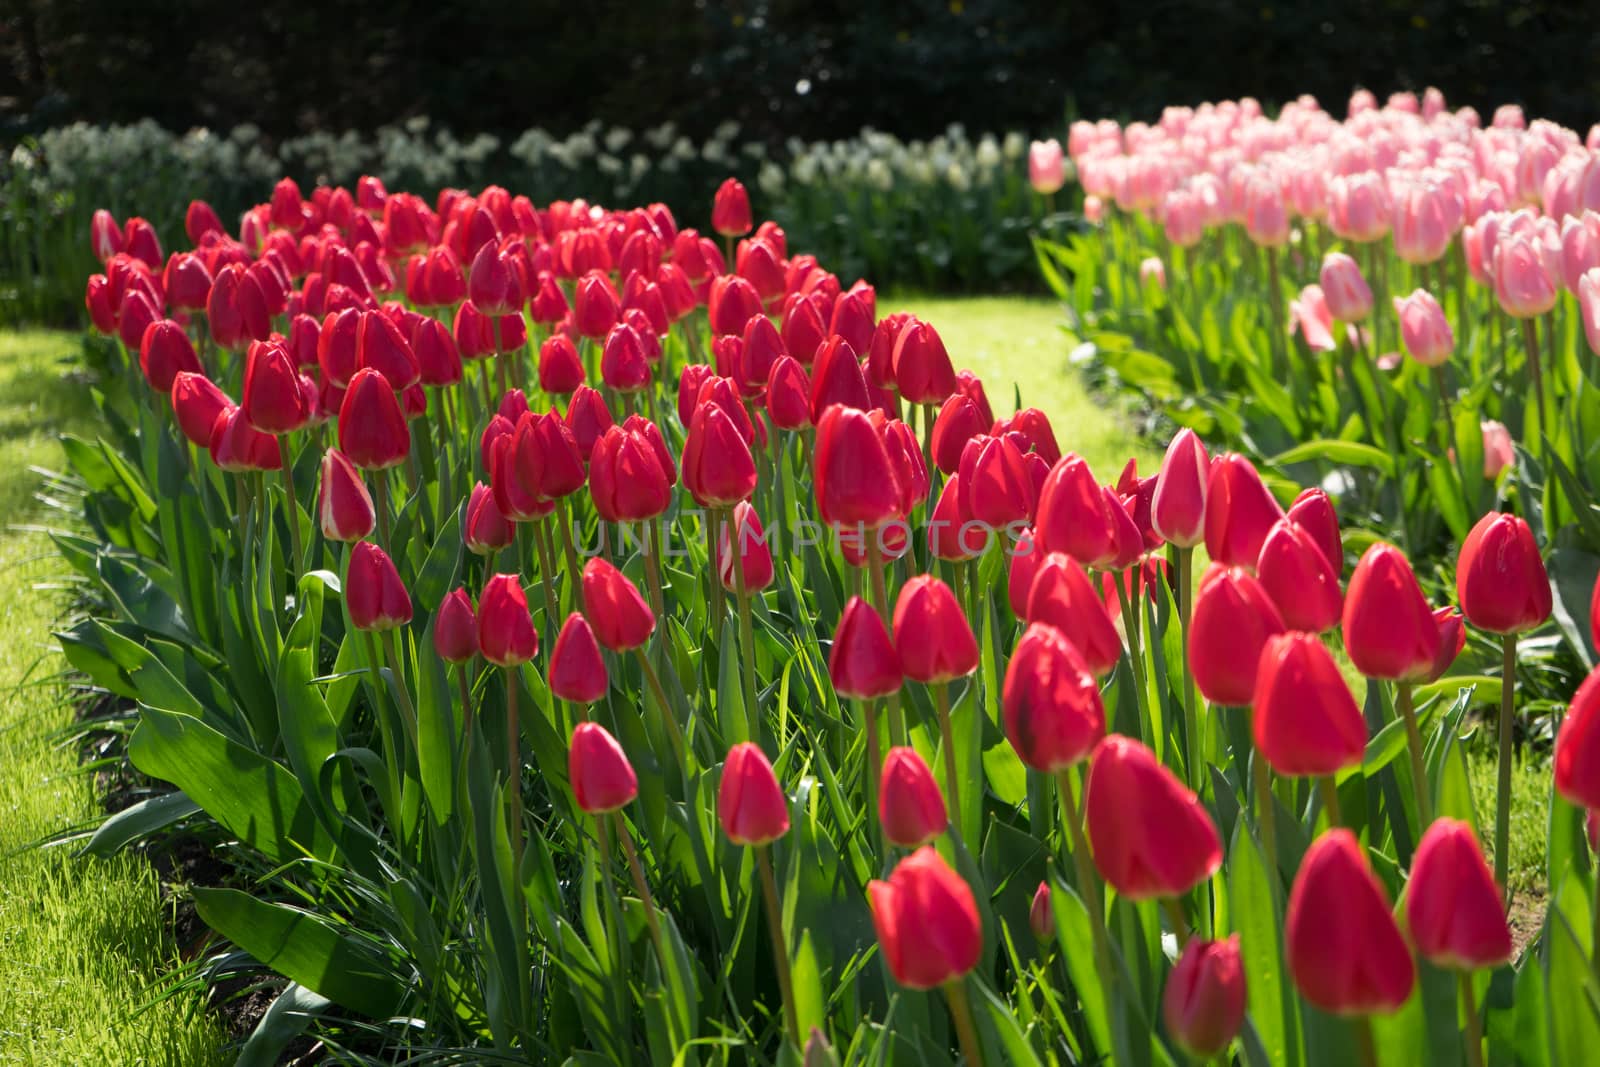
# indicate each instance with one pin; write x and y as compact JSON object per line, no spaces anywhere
{"x":1311,"y":316}
{"x":1047,"y":171}
{"x":1424,"y":329}
{"x":1522,"y":283}
{"x":1348,"y":296}
{"x":1152,"y":272}
{"x":1498,"y":454}
{"x":1589,"y":305}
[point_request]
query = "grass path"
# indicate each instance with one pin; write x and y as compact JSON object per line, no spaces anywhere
{"x":82,"y":943}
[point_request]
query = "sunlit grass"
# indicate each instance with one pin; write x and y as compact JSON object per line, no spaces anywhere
{"x":82,"y":943}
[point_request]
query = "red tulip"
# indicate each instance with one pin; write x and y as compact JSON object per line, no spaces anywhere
{"x":238,"y":446}
{"x":141,"y":242}
{"x":855,"y":483}
{"x":788,"y":395}
{"x":1296,"y":573}
{"x":485,"y":528}
{"x":862,"y":661}
{"x":164,"y":352}
{"x":492,"y":283}
{"x":199,"y":220}
{"x":1577,"y":756}
{"x":196,"y":403}
{"x":959,"y":421}
{"x":602,"y":778}
{"x":996,"y":487}
{"x":754,"y":554}
{"x":880,"y":351}
{"x":1389,"y":630}
{"x":1026,"y":558}
{"x":577,"y":671}
{"x":750,"y":802}
{"x":272,"y":399}
{"x":1041,"y":917}
{"x":373,"y":592}
{"x":506,"y":635}
{"x":343,"y":503}
{"x":910,"y":806}
{"x":1204,"y":1001}
{"x":1233,"y":618}
{"x":1151,"y":837}
{"x":547,"y":304}
{"x":852,"y":321}
{"x":438,"y":360}
{"x":1454,"y":910}
{"x":455,"y":628}
{"x":718,"y":469}
{"x":548,"y":459}
{"x":733,"y":302}
{"x":596,"y":306}
{"x":187,"y":282}
{"x":952,"y":534}
{"x":1239,"y":512}
{"x":1063,"y":597}
{"x":97,"y":299}
{"x":931,"y":632}
{"x":730,"y":209}
{"x":137,"y":313}
{"x":803,"y":329}
{"x":1073,"y":516}
{"x":588,"y":418}
{"x":372,"y":427}
{"x":836,"y":378}
{"x":1500,"y":578}
{"x":1313,"y":512}
{"x":1305,"y":720}
{"x":1178,"y":508}
{"x":1345,"y":952}
{"x":1034,"y":427}
{"x":105,"y":236}
{"x":336,"y":345}
{"x":927,"y":921}
{"x":381,"y":346}
{"x":626,"y":480}
{"x":560,"y":369}
{"x":922,"y":368}
{"x":623,"y":365}
{"x":621,"y":618}
{"x":1053,"y":713}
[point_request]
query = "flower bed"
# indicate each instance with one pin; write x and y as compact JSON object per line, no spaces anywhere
{"x":594,"y":650}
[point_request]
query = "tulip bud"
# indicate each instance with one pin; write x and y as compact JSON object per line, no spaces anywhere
{"x":1063,"y":597}
{"x":1577,"y":754}
{"x":1453,"y":909}
{"x":1239,"y":512}
{"x":1344,"y":950}
{"x":803,"y":330}
{"x":754,"y":554}
{"x":1047,"y":169}
{"x":1041,"y":917}
{"x":1313,"y":512}
{"x":164,"y":352}
{"x":1053,"y":713}
{"x":1073,"y":516}
{"x":855,"y":482}
{"x":1151,"y":836}
{"x":1498,"y":452}
{"x":196,"y":403}
{"x":237,"y":446}
{"x":1348,"y":295}
{"x":732,"y":303}
{"x":996,"y":487}
{"x":560,"y":369}
{"x":718,"y":469}
{"x":788,"y":392}
{"x":730,"y":209}
{"x":910,"y":806}
{"x":97,"y":299}
{"x":922,"y":370}
{"x":1025,"y":560}
{"x":1204,"y":1002}
{"x":199,"y":220}
{"x":1522,"y":283}
{"x":455,"y":627}
{"x":381,"y":346}
{"x":931,"y":632}
{"x":1424,"y":329}
{"x":1296,"y":573}
{"x":588,"y":418}
{"x":485,"y":528}
{"x":596,"y":306}
{"x":959,"y":421}
{"x":577,"y":671}
{"x":492,"y":283}
{"x":343,"y":503}
{"x":862,"y":662}
{"x":836,"y":378}
{"x":1306,"y":722}
{"x":750,"y":802}
{"x":137,"y":313}
{"x":1233,"y":618}
{"x":272,"y":399}
{"x":373,"y":591}
{"x":602,"y":778}
{"x":505,"y":625}
{"x":927,"y":921}
{"x":621,"y":618}
{"x":1500,"y":577}
{"x":372,"y":427}
{"x":1389,"y":630}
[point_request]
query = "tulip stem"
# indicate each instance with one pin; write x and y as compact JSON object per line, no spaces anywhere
{"x":1502,"y":808}
{"x":1469,"y":1005}
{"x":776,"y":450}
{"x":1363,"y":1031}
{"x":1130,"y":626}
{"x":1330,"y":798}
{"x":293,"y":510}
{"x":674,"y":734}
{"x":713,"y":523}
{"x":614,"y":914}
{"x":652,"y":568}
{"x":941,"y":699}
{"x":514,"y":773}
{"x":391,"y":755}
{"x":747,"y":634}
{"x":402,"y":698}
{"x":1180,"y":925}
{"x":639,"y":883}
{"x":780,"y":947}
{"x":874,"y":770}
{"x":1446,"y":427}
{"x":1088,"y":887}
{"x":880,"y":593}
{"x":1275,"y":301}
{"x":1265,"y":818}
{"x":1530,"y":333}
{"x":1191,"y":721}
{"x":380,"y":486}
{"x":955,"y":994}
{"x":547,"y":576}
{"x":1419,"y":773}
{"x":571,"y":556}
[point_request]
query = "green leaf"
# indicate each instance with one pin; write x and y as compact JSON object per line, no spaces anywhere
{"x":255,"y":799}
{"x":1002,"y":1024}
{"x":1346,"y":453}
{"x":305,"y":948}
{"x":138,"y":821}
{"x":286,"y":1019}
{"x":1253,"y":903}
{"x":1077,"y":941}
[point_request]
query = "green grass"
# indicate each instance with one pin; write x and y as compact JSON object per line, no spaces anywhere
{"x":1530,"y":804}
{"x":82,"y":943}
{"x":1016,"y":342}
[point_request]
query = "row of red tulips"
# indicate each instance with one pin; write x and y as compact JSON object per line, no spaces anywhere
{"x":1092,"y":678}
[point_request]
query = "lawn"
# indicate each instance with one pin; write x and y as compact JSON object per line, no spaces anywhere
{"x":82,"y":943}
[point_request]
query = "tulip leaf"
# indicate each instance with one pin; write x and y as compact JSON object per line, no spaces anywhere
{"x":1573,"y":573}
{"x":1253,"y":902}
{"x":1077,"y":942}
{"x":1332,"y":450}
{"x":140,"y":820}
{"x":286,"y":1019}
{"x":1002,"y":1025}
{"x":1575,"y":1026}
{"x":305,"y":948}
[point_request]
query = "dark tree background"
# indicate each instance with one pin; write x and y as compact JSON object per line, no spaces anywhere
{"x":812,"y":68}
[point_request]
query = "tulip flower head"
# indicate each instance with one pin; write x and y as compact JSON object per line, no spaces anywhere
{"x":1500,"y":576}
{"x":750,"y":802}
{"x":1151,"y":836}
{"x":1204,"y":1001}
{"x":910,"y":805}
{"x":927,"y":921}
{"x":1454,"y":911}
